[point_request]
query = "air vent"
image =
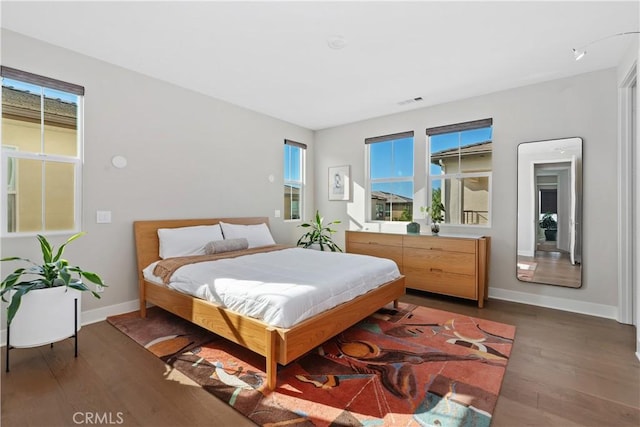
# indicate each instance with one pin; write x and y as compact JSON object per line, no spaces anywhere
{"x":410,"y":101}
{"x":337,"y":42}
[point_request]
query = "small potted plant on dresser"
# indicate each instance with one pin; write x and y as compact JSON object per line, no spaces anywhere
{"x":44,"y":306}
{"x":319,"y":235}
{"x":436,"y":212}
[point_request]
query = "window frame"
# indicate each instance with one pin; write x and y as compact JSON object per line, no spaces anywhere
{"x":458,"y":176}
{"x":301,"y":182}
{"x":10,"y":153}
{"x":370,"y":181}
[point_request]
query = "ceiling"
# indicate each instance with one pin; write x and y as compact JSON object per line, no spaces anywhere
{"x":274,"y":57}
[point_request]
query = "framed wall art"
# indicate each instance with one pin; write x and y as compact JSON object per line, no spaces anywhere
{"x":339,"y":183}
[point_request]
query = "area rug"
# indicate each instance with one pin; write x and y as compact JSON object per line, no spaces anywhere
{"x":414,"y":366}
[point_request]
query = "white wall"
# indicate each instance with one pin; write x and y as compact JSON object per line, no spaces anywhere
{"x":628,"y":194}
{"x":189,"y":156}
{"x":584,"y":106}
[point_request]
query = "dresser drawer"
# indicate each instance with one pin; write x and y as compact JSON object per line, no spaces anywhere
{"x":440,"y":244}
{"x":374,"y":238}
{"x":434,"y":261}
{"x":449,"y":265}
{"x":442,"y":282}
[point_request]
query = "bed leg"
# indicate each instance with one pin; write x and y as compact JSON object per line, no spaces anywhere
{"x":396,"y":304}
{"x":272,"y":362}
{"x":143,"y":300}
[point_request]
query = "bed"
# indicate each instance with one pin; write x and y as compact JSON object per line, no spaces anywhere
{"x":279,"y":345}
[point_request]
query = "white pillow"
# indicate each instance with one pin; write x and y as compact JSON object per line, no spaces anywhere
{"x":187,"y":241}
{"x":257,"y":235}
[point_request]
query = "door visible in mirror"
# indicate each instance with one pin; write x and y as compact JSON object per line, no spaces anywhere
{"x":549,"y":238}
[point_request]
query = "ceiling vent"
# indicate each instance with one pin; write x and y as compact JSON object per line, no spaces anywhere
{"x":410,"y":101}
{"x":337,"y":42}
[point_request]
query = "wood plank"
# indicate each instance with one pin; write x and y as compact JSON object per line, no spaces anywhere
{"x":449,"y":262}
{"x":384,"y":239}
{"x":250,"y":333}
{"x":272,"y":357}
{"x":242,"y":330}
{"x":437,"y":243}
{"x":457,"y":285}
{"x":599,"y":352}
{"x":308,"y":334}
{"x":484,"y":249}
{"x":112,"y":376}
{"x":393,"y":253}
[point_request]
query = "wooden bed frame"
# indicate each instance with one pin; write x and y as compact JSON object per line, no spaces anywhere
{"x":278,"y":345}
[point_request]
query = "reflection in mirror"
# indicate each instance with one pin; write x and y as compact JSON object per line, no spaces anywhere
{"x":550,"y":212}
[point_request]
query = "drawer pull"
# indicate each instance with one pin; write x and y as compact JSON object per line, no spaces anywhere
{"x":436,"y":270}
{"x":435,"y":249}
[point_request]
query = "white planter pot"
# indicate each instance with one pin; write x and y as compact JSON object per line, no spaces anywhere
{"x":45,"y":316}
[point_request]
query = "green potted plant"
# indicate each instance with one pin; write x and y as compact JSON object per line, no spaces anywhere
{"x":436,"y":212}
{"x":39,"y":290}
{"x":319,"y":235}
{"x":550,"y":226}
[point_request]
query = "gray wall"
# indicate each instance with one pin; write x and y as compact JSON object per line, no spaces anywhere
{"x":194,"y":156}
{"x":584,"y":106}
{"x":189,"y":156}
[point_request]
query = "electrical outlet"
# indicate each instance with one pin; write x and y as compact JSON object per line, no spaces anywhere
{"x":103,"y":217}
{"x":99,"y":289}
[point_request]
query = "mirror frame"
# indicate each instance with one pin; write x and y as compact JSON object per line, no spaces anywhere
{"x":557,"y":165}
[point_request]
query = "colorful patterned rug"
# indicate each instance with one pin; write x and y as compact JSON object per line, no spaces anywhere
{"x":413,"y":366}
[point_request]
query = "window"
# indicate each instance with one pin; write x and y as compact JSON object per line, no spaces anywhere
{"x":390,"y":162}
{"x":294,"y":157}
{"x":41,"y":153}
{"x":459,"y":169}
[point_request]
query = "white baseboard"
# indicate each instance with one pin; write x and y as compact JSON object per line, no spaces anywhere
{"x":92,"y":316}
{"x":526,"y":253}
{"x":592,"y":309}
{"x":100,"y":314}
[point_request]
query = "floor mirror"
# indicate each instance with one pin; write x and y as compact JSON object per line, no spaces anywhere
{"x":549,"y":237}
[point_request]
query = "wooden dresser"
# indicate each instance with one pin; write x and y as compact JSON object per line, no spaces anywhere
{"x":453,"y":265}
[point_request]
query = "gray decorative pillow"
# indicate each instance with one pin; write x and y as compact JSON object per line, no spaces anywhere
{"x":227,"y":245}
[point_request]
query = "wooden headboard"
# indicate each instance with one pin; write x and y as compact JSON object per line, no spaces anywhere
{"x":146,"y":234}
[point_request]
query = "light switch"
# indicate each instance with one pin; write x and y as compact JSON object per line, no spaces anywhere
{"x":103,"y":217}
{"x":277,"y":213}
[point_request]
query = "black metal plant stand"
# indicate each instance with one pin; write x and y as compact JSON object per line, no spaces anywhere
{"x":75,"y":335}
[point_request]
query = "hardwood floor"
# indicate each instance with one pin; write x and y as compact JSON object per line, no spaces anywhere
{"x":565,"y":370}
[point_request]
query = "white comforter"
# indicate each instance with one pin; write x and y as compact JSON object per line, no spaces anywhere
{"x":282,"y":287}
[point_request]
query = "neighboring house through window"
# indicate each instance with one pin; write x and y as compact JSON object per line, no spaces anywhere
{"x":41,"y":154}
{"x":459,"y":171}
{"x":294,"y":160}
{"x":390,"y":164}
